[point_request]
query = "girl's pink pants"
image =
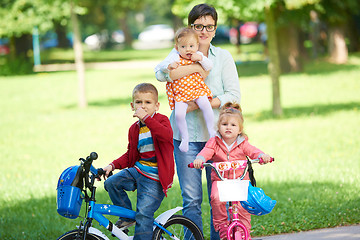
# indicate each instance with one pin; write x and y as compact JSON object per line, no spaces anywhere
{"x":219,"y":210}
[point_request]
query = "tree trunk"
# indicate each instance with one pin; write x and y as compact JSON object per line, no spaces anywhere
{"x":177,"y":21}
{"x":353,"y":34}
{"x":337,"y":47}
{"x":304,"y":55}
{"x":20,"y":46}
{"x":79,"y":60}
{"x":274,"y":64}
{"x":288,"y":44}
{"x":125,"y":28}
{"x":61,"y":36}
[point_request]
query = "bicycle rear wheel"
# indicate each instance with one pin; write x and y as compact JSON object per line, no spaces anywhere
{"x":181,"y":227}
{"x":74,"y":234}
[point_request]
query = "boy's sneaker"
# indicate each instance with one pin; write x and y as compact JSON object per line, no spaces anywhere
{"x":121,"y":224}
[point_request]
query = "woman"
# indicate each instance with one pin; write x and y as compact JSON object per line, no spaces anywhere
{"x":223,"y":82}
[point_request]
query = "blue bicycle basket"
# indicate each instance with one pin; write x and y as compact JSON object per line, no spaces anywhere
{"x":69,"y":196}
{"x":258,"y":203}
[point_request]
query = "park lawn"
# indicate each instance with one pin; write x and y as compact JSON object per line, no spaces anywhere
{"x":249,"y":52}
{"x":315,"y":177}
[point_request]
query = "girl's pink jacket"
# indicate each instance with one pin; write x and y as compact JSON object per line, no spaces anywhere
{"x":216,"y":151}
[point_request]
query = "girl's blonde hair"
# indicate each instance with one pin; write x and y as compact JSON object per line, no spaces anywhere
{"x":234,"y":110}
{"x":185,"y":32}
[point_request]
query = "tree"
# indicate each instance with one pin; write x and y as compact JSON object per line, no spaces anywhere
{"x":274,"y":64}
{"x":19,"y":17}
{"x":337,"y":14}
{"x":121,"y":10}
{"x":252,"y":10}
{"x":79,"y":59}
{"x":284,"y":35}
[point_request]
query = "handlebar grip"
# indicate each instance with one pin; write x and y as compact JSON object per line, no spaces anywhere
{"x":102,"y":172}
{"x":261,"y":161}
{"x":93,"y":156}
{"x":191,"y":165}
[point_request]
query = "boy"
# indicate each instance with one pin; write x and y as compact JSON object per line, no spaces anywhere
{"x":148,"y":164}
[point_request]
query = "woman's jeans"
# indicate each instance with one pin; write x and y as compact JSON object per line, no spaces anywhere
{"x":149,"y":197}
{"x":191,"y":185}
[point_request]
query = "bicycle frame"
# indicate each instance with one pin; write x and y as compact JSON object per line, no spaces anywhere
{"x":97,"y":211}
{"x":233,"y":231}
{"x":235,"y":223}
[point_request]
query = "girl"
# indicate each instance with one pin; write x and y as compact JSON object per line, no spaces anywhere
{"x":229,"y":144}
{"x":191,"y":87}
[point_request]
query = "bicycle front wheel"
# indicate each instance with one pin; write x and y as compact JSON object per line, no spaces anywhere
{"x":238,"y":233}
{"x":180,"y":227}
{"x":74,"y":234}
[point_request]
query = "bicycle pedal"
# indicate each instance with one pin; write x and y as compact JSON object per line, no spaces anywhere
{"x":126,"y":231}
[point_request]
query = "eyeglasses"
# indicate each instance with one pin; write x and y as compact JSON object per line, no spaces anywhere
{"x":200,"y":27}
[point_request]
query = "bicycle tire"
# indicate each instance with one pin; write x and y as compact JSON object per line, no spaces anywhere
{"x":72,"y":235}
{"x":176,"y":225}
{"x":237,"y":233}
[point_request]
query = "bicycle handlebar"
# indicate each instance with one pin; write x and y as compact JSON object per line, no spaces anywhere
{"x":88,"y":167}
{"x":101,"y":172}
{"x":191,"y":165}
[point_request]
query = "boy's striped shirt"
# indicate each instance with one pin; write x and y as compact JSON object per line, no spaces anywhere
{"x":147,"y":165}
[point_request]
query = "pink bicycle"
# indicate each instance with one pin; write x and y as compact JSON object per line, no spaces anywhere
{"x":251,"y":198}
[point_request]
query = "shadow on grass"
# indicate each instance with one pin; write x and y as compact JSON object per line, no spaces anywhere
{"x":251,"y":68}
{"x":307,"y":206}
{"x":304,"y":111}
{"x":258,"y":68}
{"x":300,"y":206}
{"x":112,"y":102}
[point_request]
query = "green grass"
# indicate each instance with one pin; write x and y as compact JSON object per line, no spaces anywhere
{"x":315,"y":177}
{"x":251,"y":52}
{"x":61,"y":55}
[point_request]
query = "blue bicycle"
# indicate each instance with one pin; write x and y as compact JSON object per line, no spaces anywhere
{"x":76,"y":184}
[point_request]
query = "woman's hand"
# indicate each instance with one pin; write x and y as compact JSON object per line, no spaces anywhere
{"x":192,"y":106}
{"x":203,"y":73}
{"x":186,"y":70}
{"x":215,"y":103}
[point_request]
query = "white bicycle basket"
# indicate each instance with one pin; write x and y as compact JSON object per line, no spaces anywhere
{"x":233,"y":190}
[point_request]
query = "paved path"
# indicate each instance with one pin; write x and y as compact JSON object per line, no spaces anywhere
{"x":337,"y":233}
{"x":135,"y":64}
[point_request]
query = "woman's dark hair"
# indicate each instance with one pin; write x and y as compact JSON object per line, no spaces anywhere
{"x":202,"y":10}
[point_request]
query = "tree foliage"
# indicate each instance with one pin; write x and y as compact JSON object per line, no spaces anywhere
{"x":19,"y":17}
{"x":337,"y":12}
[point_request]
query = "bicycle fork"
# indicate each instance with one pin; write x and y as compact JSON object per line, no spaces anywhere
{"x":236,"y":230}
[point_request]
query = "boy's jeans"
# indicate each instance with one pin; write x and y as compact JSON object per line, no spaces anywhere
{"x":149,"y":197}
{"x":191,"y":185}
